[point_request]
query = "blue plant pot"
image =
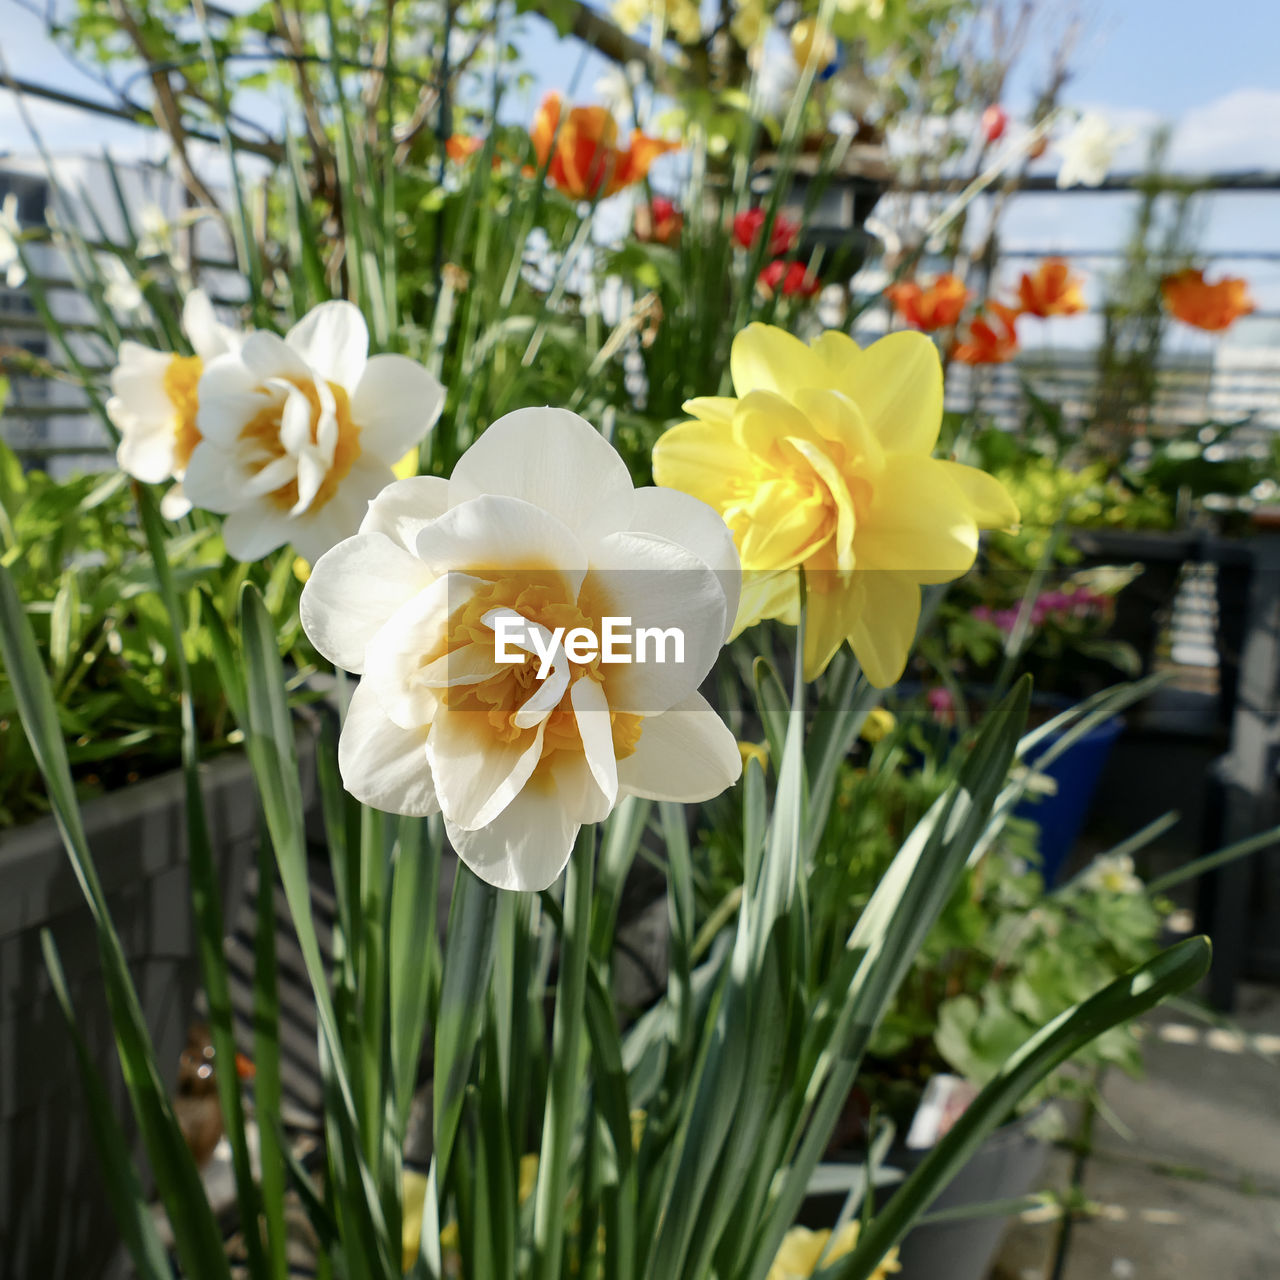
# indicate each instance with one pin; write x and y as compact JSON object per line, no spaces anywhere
{"x":1061,"y":816}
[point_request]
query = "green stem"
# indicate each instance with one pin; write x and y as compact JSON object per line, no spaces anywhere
{"x":564,"y":1088}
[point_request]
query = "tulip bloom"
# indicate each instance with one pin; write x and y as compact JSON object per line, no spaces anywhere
{"x":992,"y":337}
{"x":298,"y":434}
{"x":822,"y":461}
{"x":1052,"y":291}
{"x":1213,"y":307}
{"x":581,"y":154}
{"x":995,"y":120}
{"x":154,"y":403}
{"x":792,"y":278}
{"x":750,"y":222}
{"x":540,"y":532}
{"x":937,"y":307}
{"x":659,"y":222}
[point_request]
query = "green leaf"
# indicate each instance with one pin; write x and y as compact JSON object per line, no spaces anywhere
{"x":1171,"y":972}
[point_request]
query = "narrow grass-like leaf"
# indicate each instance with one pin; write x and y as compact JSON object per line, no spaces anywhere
{"x":1134,"y":993}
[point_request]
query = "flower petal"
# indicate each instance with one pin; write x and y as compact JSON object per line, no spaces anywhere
{"x":669,"y":591}
{"x":395,"y":404}
{"x":682,"y":519}
{"x":491,"y":533}
{"x":267,"y":355}
{"x":919,"y":522}
{"x":477,"y":775}
{"x":555,"y":460}
{"x":897,"y":384}
{"x":382,"y":764}
{"x":686,"y":754}
{"x":702,"y":458}
{"x":527,"y":845}
{"x":334,"y":341}
{"x":885,"y":627}
{"x":145,"y":453}
{"x":252,"y":532}
{"x":214,"y":480}
{"x":403,"y":508}
{"x":595,"y":728}
{"x":766,"y":358}
{"x":992,"y":506}
{"x":353,"y":590}
{"x":209,"y":338}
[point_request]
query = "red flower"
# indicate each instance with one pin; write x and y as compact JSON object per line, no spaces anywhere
{"x":995,"y":120}
{"x":987,"y":342}
{"x":792,"y":276}
{"x":659,"y":222}
{"x":748,"y":224}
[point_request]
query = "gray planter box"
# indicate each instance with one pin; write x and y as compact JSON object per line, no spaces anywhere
{"x":54,"y":1218}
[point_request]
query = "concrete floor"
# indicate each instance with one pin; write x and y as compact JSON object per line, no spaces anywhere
{"x":1182,"y":1180}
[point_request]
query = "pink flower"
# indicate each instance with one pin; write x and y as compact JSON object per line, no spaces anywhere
{"x":942,"y":705}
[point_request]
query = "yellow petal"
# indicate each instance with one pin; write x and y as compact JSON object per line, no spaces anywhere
{"x":831,"y":478}
{"x":717,"y":410}
{"x":897,"y":383}
{"x":990,"y":501}
{"x":919,"y":522}
{"x":763,"y":419}
{"x":765,"y":358}
{"x":767,"y":595}
{"x":838,"y":352}
{"x":885,"y":630}
{"x":837,"y":418}
{"x":780,"y":527}
{"x":701,"y":459}
{"x":831,"y":616}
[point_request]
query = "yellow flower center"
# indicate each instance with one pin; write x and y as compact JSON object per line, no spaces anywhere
{"x":538,"y":598}
{"x":181,"y":375}
{"x":263,"y":430}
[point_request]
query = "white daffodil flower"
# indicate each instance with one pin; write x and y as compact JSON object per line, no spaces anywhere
{"x":122,"y":293}
{"x":10,"y":259}
{"x":299,"y":434}
{"x":153,"y":401}
{"x":457,"y":595}
{"x":1088,"y":151}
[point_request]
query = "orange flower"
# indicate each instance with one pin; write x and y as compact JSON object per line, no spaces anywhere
{"x":581,"y":154}
{"x":460,"y":147}
{"x":937,"y":307}
{"x":1189,"y":298}
{"x":987,"y":342}
{"x":1052,"y":291}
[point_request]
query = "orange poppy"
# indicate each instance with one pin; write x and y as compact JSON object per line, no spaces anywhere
{"x":581,"y":154}
{"x":1191,"y":299}
{"x":992,"y":337}
{"x":1052,"y":291}
{"x":937,"y":307}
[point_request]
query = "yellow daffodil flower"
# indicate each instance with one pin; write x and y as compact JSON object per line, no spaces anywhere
{"x":822,"y":461}
{"x":802,"y":1249}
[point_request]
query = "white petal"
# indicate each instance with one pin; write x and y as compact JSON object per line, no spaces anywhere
{"x":146,"y":454}
{"x":267,"y":355}
{"x":595,"y":728}
{"x":527,"y":846}
{"x":353,"y":590}
{"x":381,"y":764}
{"x":580,"y":794}
{"x":311,"y":474}
{"x":252,"y":532}
{"x":555,"y":460}
{"x":229,"y":395}
{"x":656,"y":584}
{"x":470,"y":664}
{"x":175,"y":504}
{"x":323,"y":527}
{"x":692,"y":524}
{"x":393,"y":656}
{"x":402,"y":509}
{"x":334,"y":340}
{"x":686,"y":754}
{"x":214,"y":480}
{"x":477,"y":775}
{"x":499,"y":534}
{"x":395,"y":404}
{"x":209,"y":339}
{"x":277,"y":473}
{"x":295,"y":420}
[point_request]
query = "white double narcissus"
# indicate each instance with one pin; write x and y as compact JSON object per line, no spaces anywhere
{"x":153,"y":401}
{"x":540,"y":525}
{"x":298,"y":434}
